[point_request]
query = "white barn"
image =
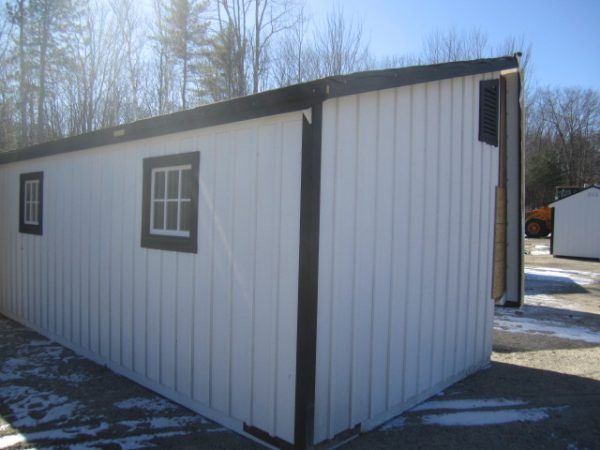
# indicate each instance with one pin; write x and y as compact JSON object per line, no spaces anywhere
{"x":576,"y":219}
{"x":298,"y":265}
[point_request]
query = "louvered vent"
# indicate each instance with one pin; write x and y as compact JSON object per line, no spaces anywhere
{"x":488,"y":111}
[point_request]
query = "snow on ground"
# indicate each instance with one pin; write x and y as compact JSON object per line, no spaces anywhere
{"x":480,"y":418}
{"x":467,"y":404}
{"x":31,"y":407}
{"x":508,"y":321}
{"x":471,"y":412}
{"x":54,"y":434}
{"x":536,"y":316}
{"x":154,"y":404}
{"x":540,"y":250}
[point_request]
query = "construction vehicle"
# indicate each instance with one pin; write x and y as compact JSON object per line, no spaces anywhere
{"x":538,"y":221}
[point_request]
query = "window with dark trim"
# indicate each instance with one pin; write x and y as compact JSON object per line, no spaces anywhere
{"x":489,"y":91}
{"x":170,"y":202}
{"x":31,"y":203}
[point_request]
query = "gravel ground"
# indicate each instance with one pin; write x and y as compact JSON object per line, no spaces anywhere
{"x":542,"y":389}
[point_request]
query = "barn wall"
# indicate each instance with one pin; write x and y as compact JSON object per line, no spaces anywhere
{"x":215,"y":330}
{"x":576,"y":222}
{"x":406,"y":250}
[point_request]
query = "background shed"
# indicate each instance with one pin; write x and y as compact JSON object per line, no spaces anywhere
{"x":345,"y":244}
{"x":576,"y":220}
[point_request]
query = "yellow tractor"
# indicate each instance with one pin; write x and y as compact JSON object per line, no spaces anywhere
{"x":538,"y":222}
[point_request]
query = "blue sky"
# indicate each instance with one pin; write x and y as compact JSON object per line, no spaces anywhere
{"x":564,"y":35}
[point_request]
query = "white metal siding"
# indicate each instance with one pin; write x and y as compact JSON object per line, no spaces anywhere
{"x":407,"y":220}
{"x":576,"y":222}
{"x":215,"y":330}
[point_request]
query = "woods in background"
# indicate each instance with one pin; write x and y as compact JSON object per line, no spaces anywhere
{"x":72,"y":66}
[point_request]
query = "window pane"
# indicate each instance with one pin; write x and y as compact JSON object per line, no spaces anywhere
{"x":34,"y":211}
{"x":186,"y":184}
{"x":27,"y":211}
{"x":173,"y":184}
{"x":34,"y":188}
{"x":159,"y":215}
{"x":27,"y":191}
{"x":172,"y":215}
{"x":159,"y":185}
{"x":186,"y":216}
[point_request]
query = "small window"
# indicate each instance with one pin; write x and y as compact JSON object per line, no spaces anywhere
{"x":31,"y":200}
{"x":170,"y":202}
{"x":488,"y":111}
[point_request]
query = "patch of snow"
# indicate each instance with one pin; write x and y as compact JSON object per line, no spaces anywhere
{"x":162,"y":422}
{"x":514,"y":324}
{"x":10,"y":369}
{"x":467,"y":404}
{"x":394,"y":424}
{"x":479,"y":418}
{"x":540,"y":250}
{"x":49,"y":435}
{"x":149,"y":404}
{"x":76,"y":378}
{"x":24,"y":401}
{"x":550,"y":302}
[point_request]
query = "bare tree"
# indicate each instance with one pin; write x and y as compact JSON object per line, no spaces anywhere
{"x":340,"y":46}
{"x":270,"y":17}
{"x":131,"y":35}
{"x":562,"y":141}
{"x":439,"y":47}
{"x":290,"y":63}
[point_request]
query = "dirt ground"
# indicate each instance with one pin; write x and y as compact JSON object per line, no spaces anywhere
{"x":542,"y":389}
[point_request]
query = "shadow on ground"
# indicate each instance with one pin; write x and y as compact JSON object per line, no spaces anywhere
{"x":551,"y":284}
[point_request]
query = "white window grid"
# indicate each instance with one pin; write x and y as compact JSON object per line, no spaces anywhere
{"x":164,"y":231}
{"x":31,"y":205}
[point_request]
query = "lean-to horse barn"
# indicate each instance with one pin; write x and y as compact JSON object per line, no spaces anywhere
{"x":298,"y":265}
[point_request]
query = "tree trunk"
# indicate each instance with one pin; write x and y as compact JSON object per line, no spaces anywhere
{"x":45,"y":35}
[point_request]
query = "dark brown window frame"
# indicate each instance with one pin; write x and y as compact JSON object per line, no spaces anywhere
{"x":28,"y":228}
{"x":170,"y":243}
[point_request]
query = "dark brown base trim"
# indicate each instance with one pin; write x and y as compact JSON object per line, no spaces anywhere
{"x":266,"y":437}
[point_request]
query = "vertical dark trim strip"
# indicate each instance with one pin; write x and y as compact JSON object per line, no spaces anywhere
{"x":521,"y":95}
{"x":308,"y":277}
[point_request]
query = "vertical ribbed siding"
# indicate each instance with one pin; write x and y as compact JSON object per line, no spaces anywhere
{"x":215,"y":330}
{"x":576,"y":221}
{"x":406,"y":249}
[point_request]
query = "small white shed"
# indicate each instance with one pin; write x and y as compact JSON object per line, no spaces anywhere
{"x":298,"y":264}
{"x":576,"y":219}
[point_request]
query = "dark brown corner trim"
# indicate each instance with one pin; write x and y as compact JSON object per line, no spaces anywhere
{"x":308,"y":277}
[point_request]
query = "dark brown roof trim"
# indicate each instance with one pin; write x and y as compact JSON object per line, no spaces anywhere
{"x":278,"y":101}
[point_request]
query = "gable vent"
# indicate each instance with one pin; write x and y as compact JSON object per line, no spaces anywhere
{"x":488,"y":111}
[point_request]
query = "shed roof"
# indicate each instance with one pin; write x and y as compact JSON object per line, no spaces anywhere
{"x":593,"y":186}
{"x":277,"y":101}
